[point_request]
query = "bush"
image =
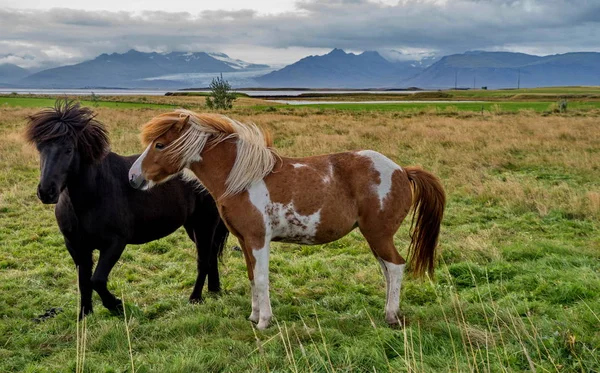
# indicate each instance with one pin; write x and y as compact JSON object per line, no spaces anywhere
{"x":562,"y":106}
{"x":221,"y":97}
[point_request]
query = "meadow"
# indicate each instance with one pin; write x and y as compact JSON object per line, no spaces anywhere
{"x":517,"y":286}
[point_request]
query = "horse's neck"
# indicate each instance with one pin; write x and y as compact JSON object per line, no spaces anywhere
{"x":215,"y":166}
{"x":82,"y":183}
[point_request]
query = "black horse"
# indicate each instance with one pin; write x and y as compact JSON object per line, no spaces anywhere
{"x":96,"y":208}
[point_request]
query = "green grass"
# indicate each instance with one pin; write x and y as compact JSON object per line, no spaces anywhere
{"x":442,"y":107}
{"x":558,"y":91}
{"x":517,"y":287}
{"x":45,"y":102}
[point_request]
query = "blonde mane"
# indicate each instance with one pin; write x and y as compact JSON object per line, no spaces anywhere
{"x":255,"y":157}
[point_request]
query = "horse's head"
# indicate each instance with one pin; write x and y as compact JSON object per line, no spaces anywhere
{"x":66,"y":137}
{"x":156,"y":164}
{"x":177,"y":140}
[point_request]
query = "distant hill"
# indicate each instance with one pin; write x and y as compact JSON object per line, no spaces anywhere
{"x":339,"y":69}
{"x":505,"y":69}
{"x":133,"y":70}
{"x":10,"y":73}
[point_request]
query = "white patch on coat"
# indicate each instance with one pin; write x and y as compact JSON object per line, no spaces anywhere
{"x":283,"y":222}
{"x":298,"y":165}
{"x":393,"y":273}
{"x":187,"y":162}
{"x":385,"y":167}
{"x":327,"y":178}
{"x":135,"y":171}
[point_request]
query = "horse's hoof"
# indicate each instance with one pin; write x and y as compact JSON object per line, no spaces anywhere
{"x":215,"y":290}
{"x":84,"y":312}
{"x":396,"y":321}
{"x":263,"y":324}
{"x":254,"y":317}
{"x":395,"y":325}
{"x":116,"y":308}
{"x":196,"y":300}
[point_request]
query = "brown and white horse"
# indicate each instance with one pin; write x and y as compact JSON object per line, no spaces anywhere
{"x":263,"y":197}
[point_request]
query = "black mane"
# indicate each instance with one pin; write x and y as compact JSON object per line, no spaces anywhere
{"x":68,"y":118}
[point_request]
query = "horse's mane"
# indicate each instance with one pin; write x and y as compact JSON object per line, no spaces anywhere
{"x":68,"y":119}
{"x":255,"y":157}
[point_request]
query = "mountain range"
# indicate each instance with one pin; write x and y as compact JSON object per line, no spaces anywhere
{"x":10,"y":73}
{"x":337,"y":69}
{"x":135,"y":70}
{"x":508,"y":70}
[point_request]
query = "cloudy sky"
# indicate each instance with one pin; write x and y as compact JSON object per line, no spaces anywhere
{"x":36,"y":33}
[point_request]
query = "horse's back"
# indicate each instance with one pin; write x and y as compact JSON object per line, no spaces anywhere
{"x":341,"y":188}
{"x":113,"y":207}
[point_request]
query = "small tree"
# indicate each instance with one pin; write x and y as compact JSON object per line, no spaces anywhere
{"x":95,"y":100}
{"x":221,"y":97}
{"x":562,"y":106}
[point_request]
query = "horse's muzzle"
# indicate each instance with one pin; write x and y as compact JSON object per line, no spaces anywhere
{"x":138,"y":181}
{"x":136,"y":176}
{"x":48,"y":195}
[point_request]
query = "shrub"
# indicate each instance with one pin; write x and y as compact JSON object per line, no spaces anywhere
{"x":221,"y":97}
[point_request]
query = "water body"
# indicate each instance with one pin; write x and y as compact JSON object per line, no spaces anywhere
{"x":161,"y":92}
{"x":305,"y":102}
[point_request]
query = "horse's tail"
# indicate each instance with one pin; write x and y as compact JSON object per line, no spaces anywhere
{"x":428,"y":209}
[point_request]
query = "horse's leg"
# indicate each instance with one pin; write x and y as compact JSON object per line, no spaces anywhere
{"x":392,"y":265}
{"x":254,"y":316}
{"x":204,"y":231}
{"x":218,"y":244}
{"x":261,"y":284}
{"x":83,"y":263}
{"x":250,"y":262}
{"x":194,"y":231}
{"x":107,"y":260}
{"x":385,"y":275}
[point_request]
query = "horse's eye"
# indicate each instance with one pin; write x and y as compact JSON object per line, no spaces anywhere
{"x":159,"y":146}
{"x":68,"y":151}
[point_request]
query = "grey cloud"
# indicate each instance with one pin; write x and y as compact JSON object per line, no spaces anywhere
{"x":68,"y":35}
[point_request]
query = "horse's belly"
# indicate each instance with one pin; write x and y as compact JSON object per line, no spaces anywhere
{"x":287,"y":225}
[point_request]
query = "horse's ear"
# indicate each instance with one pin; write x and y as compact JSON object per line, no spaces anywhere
{"x":182,"y":123}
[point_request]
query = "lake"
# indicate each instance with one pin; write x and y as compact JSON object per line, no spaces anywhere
{"x":161,"y":92}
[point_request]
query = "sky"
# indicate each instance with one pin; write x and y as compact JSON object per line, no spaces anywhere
{"x":39,"y":34}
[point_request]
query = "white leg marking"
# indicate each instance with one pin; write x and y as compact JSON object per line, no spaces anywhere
{"x":254,"y":316}
{"x":395,"y":272}
{"x":386,"y":277}
{"x":385,"y":167}
{"x":261,"y":285}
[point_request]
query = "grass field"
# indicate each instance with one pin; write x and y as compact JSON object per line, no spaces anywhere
{"x":590,"y":91}
{"x":445,"y":107}
{"x":46,"y":101}
{"x":253,"y":104}
{"x":581,"y":94}
{"x":517,"y":287}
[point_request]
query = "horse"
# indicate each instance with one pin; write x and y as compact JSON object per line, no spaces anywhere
{"x":264,"y":197}
{"x":96,"y":208}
